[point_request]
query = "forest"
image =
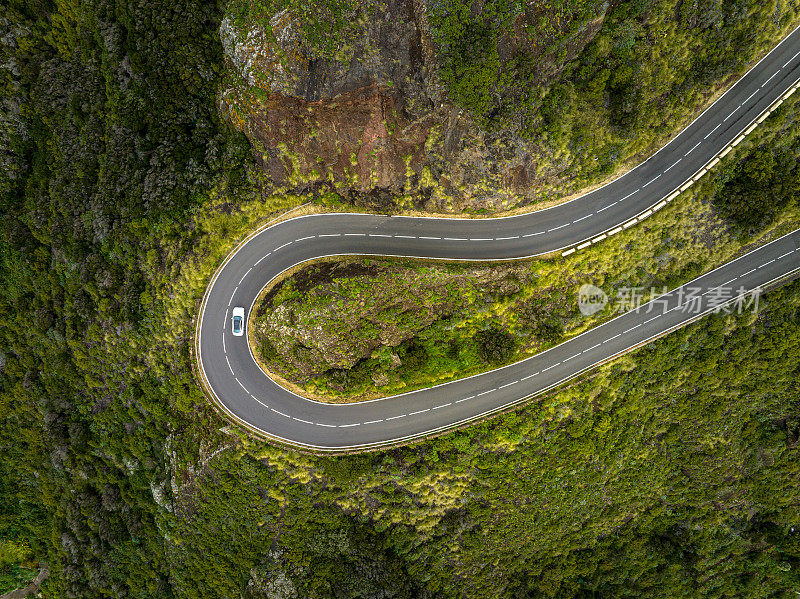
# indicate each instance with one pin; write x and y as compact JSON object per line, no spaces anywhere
{"x":672,"y":471}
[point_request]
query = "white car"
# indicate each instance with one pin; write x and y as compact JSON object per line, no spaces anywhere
{"x":238,"y":321}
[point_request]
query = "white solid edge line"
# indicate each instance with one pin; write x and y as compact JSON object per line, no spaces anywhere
{"x":334,"y":406}
{"x":496,"y":409}
{"x":238,"y":247}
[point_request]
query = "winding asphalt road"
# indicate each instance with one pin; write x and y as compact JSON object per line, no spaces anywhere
{"x":241,"y":389}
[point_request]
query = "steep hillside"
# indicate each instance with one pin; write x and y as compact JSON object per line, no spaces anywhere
{"x":457,"y":106}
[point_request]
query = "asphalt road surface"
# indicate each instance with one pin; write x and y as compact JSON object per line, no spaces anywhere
{"x":244,"y":392}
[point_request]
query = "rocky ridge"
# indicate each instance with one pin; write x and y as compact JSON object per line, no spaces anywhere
{"x":367,"y":116}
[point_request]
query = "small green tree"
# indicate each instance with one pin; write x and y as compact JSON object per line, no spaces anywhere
{"x":495,"y":345}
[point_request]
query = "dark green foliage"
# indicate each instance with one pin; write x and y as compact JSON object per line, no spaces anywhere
{"x":113,"y":142}
{"x":673,"y":473}
{"x":595,"y":82}
{"x":760,"y":187}
{"x":543,"y":319}
{"x":494,"y":345}
{"x":468,"y":47}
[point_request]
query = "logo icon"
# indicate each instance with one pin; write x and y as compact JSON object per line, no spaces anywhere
{"x":591,"y":299}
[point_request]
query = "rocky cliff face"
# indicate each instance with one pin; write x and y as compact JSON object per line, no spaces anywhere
{"x":363,"y":113}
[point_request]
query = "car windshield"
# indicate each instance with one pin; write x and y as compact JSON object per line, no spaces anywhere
{"x":237,"y":323}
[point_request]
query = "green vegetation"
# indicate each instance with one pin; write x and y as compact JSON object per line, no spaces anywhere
{"x":672,"y":472}
{"x":495,"y":346}
{"x":327,"y":28}
{"x":593,"y":83}
{"x":120,"y":192}
{"x":761,"y":186}
{"x":365,"y":328}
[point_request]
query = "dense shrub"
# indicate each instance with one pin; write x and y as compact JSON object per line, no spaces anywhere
{"x":760,"y":187}
{"x":494,"y":345}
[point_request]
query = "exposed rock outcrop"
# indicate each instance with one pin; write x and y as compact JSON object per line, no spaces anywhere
{"x":369,"y":118}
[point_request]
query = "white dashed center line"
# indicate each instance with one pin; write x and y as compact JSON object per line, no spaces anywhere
{"x":712,"y":131}
{"x":770,"y":79}
{"x":262,"y":257}
{"x":748,"y":98}
{"x":693,"y":148}
{"x":650,"y":181}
